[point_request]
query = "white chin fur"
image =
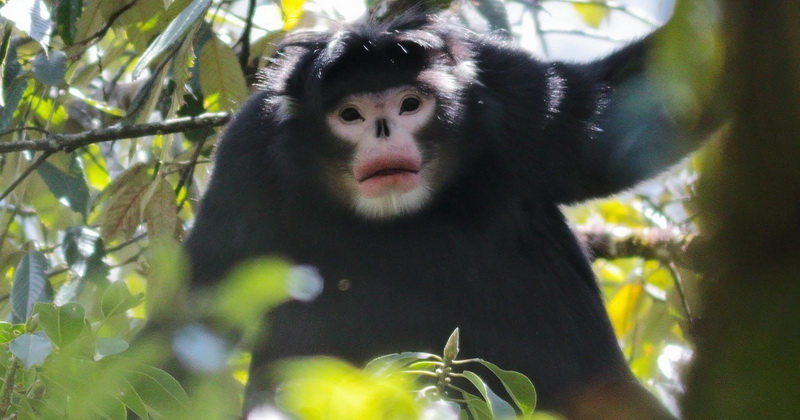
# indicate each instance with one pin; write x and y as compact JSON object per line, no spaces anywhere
{"x":393,"y":204}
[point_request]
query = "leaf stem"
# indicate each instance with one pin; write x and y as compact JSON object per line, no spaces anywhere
{"x":8,"y":387}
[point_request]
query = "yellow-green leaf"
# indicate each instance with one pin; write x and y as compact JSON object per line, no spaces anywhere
{"x":292,"y":12}
{"x":221,"y":77}
{"x":592,"y":14}
{"x":161,"y":212}
{"x":122,"y":212}
{"x":622,"y":308}
{"x":95,"y":15}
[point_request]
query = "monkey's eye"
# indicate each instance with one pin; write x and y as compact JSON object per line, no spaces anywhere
{"x":350,"y":114}
{"x":410,"y":104}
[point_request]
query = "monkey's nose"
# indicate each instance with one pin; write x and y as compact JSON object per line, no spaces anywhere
{"x":382,"y":128}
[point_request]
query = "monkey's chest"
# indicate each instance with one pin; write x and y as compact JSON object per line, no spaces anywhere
{"x":406,"y":293}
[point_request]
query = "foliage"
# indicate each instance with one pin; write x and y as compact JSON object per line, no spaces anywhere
{"x":88,"y":230}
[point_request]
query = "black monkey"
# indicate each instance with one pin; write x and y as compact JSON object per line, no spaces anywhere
{"x":425,"y":165}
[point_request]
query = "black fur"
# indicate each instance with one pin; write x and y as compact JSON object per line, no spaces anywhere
{"x":492,"y":254}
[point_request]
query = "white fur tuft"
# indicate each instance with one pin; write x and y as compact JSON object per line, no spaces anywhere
{"x":392,"y":204}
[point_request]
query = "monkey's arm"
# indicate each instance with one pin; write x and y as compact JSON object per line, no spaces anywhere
{"x":634,"y":131}
{"x":585,"y":130}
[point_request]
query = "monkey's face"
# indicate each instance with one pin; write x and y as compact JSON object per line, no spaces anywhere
{"x":389,"y":171}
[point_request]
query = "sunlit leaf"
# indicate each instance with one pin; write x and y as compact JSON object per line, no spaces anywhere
{"x":61,"y":324}
{"x":30,"y":286}
{"x":324,"y":388}
{"x":592,"y":14}
{"x":395,"y":361}
{"x":623,"y":306}
{"x":142,"y":22}
{"x":48,"y":112}
{"x":31,"y":349}
{"x":223,"y":84}
{"x":31,"y":17}
{"x":188,"y":18}
{"x":292,"y":12}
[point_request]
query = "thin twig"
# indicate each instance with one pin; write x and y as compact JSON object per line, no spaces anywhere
{"x":189,"y":170}
{"x":126,"y":243}
{"x":25,"y":173}
{"x":29,"y":128}
{"x":111,"y":19}
{"x":8,"y":387}
{"x":673,"y":269}
{"x":244,"y":54}
{"x":69,"y":142}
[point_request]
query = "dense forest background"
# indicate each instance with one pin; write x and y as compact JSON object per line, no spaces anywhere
{"x":109,"y":111}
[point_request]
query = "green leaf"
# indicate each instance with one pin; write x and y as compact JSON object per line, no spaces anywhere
{"x":161,"y":393}
{"x":9,"y":332}
{"x":94,"y":16}
{"x":62,"y":324}
{"x":498,"y":407}
{"x":109,"y":346}
{"x":381,"y":364}
{"x":50,"y":70}
{"x":223,"y":84}
{"x":117,"y":299}
{"x":70,"y":187}
{"x":67,"y":13}
{"x":31,"y":349}
{"x":161,"y":211}
{"x":478,"y":408}
{"x":31,"y":17}
{"x":517,"y":385}
{"x":143,"y":21}
{"x":30,"y":286}
{"x":132,"y":400}
{"x":189,"y":17}
{"x":12,"y":93}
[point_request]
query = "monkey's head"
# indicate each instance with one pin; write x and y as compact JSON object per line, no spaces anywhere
{"x":376,"y":113}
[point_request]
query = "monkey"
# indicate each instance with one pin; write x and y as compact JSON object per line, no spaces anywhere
{"x":420,"y":167}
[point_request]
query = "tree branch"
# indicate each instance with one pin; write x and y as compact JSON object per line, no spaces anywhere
{"x":648,"y":243}
{"x":244,"y":54}
{"x":69,"y":142}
